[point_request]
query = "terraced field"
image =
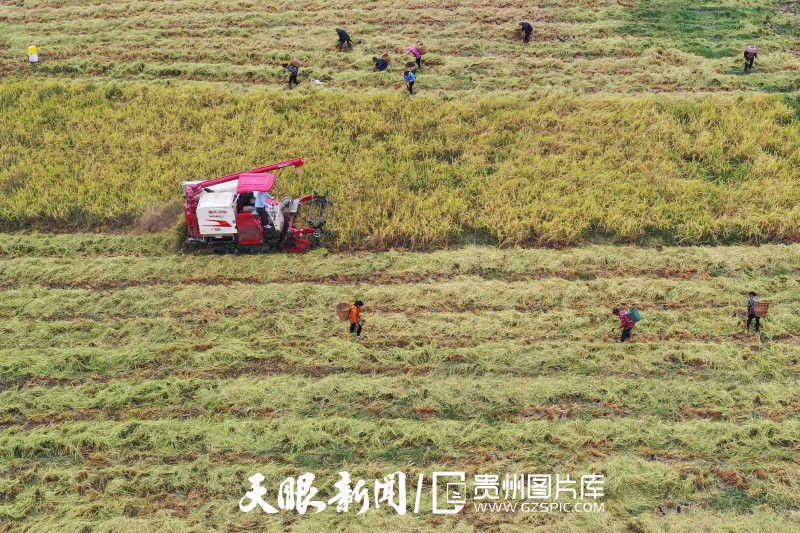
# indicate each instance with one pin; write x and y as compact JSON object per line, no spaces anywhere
{"x":141,"y":388}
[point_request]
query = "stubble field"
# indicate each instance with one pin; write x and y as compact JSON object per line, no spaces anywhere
{"x":582,"y":47}
{"x":141,"y":388}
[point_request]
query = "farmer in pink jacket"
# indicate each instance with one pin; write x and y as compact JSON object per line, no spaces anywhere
{"x":625,"y":324}
{"x":414,"y":51}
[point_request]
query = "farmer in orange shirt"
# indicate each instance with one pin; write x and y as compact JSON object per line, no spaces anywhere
{"x":355,"y":318}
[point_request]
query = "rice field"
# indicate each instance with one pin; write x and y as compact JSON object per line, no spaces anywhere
{"x":583,"y":47}
{"x":553,"y":171}
{"x":622,"y":122}
{"x":141,"y":385}
{"x":140,"y":388}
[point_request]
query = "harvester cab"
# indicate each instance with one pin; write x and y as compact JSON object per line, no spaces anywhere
{"x":236,"y":213}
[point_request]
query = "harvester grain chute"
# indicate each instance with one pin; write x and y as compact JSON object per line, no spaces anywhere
{"x":221,"y":213}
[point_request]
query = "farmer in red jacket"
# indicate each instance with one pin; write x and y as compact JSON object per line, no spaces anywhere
{"x":625,"y":324}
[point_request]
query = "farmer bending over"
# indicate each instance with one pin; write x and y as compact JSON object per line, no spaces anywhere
{"x":414,"y":51}
{"x":625,"y":324}
{"x":526,"y":28}
{"x":380,"y":64}
{"x":33,"y":55}
{"x":750,"y":54}
{"x":344,"y":38}
{"x":355,"y":318}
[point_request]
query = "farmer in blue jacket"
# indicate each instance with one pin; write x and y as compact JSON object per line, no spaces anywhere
{"x":410,"y":78}
{"x":344,"y":39}
{"x":526,"y":28}
{"x":380,"y":64}
{"x":293,"y":71}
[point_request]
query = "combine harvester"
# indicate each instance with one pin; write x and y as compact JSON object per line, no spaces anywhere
{"x":221,"y":213}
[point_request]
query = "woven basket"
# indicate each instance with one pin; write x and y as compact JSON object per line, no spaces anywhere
{"x":411,"y":66}
{"x":296,"y":63}
{"x":422,"y":49}
{"x":760,"y":309}
{"x":751,"y":49}
{"x":387,"y":58}
{"x":343,"y":311}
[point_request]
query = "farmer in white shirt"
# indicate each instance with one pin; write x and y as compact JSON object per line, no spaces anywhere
{"x":261,"y":205}
{"x":33,"y":55}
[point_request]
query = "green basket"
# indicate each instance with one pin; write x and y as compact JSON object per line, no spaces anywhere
{"x":634,"y":315}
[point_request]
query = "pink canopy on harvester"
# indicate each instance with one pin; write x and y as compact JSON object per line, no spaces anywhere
{"x":249,"y":182}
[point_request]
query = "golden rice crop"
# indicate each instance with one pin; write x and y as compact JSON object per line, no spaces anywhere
{"x":548,"y":171}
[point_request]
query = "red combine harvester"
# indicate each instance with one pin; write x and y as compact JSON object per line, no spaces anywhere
{"x":222,"y":212}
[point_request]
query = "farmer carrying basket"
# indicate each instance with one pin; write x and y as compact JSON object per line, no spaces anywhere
{"x":756,"y":310}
